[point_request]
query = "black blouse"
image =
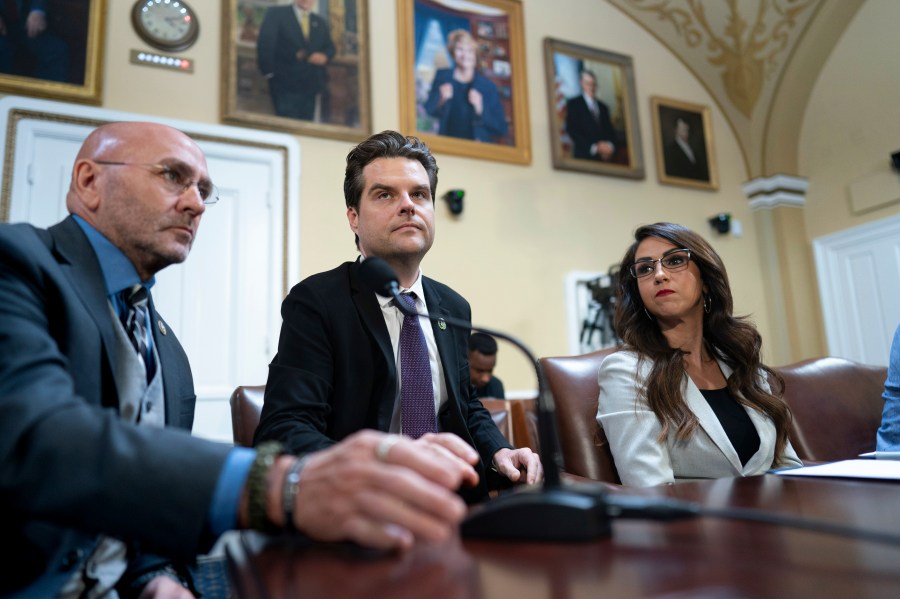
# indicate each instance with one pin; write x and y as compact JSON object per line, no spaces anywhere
{"x":735,"y":421}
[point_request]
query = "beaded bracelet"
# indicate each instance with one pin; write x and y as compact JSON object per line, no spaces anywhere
{"x":257,"y":490}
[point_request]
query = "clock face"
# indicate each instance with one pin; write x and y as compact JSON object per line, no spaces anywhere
{"x":165,"y":24}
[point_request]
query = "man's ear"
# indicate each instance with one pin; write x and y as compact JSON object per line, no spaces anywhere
{"x":86,"y":184}
{"x":353,"y":219}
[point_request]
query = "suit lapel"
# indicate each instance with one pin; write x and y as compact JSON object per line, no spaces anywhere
{"x":443,"y":338}
{"x":373,"y":320}
{"x":79,"y":263}
{"x":293,"y":28}
{"x":708,"y":420}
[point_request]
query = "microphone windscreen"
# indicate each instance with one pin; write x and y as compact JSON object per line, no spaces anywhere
{"x":378,"y":276}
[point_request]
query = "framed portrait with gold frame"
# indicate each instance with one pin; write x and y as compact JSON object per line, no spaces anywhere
{"x":685,"y":154}
{"x":594,"y":124}
{"x":55,"y":52}
{"x":290,"y":71}
{"x":463,"y":87}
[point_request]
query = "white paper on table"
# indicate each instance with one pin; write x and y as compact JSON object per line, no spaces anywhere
{"x":878,"y":469}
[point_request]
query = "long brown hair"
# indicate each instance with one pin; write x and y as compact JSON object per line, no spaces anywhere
{"x":734,"y":340}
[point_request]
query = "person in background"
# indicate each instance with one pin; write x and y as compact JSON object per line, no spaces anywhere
{"x":28,"y":47}
{"x":104,"y":490}
{"x":888,"y":438}
{"x":347,"y":357}
{"x":687,"y":396}
{"x":466,"y":102}
{"x":482,"y":361}
{"x":683,"y":157}
{"x":293,"y":47}
{"x":588,"y":123}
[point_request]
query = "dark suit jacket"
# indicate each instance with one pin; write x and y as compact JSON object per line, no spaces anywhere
{"x":489,"y":127}
{"x":280,"y":39}
{"x":334,"y":373}
{"x":677,"y":163}
{"x":584,"y":130}
{"x":69,"y":467}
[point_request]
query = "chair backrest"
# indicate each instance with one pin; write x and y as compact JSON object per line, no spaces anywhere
{"x":501,"y":412}
{"x":836,"y":405}
{"x":573,"y":382}
{"x":246,"y":407}
{"x":515,"y":419}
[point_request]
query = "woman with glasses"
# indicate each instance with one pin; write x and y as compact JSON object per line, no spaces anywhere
{"x":687,"y":396}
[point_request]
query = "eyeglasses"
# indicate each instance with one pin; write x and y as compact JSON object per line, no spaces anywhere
{"x":673,"y":261}
{"x":176,"y":179}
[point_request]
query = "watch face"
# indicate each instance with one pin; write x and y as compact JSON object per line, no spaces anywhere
{"x":165,"y":24}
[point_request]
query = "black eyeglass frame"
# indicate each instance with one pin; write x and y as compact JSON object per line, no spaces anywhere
{"x":662,"y":261}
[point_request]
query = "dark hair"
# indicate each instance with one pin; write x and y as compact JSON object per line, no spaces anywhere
{"x":734,"y":340}
{"x":483,"y":344}
{"x":387,"y":144}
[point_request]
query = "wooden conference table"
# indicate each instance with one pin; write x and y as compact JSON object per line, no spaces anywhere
{"x":705,"y":558}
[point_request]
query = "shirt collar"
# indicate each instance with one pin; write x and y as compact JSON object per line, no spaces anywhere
{"x":384,"y":300}
{"x":118,"y":271}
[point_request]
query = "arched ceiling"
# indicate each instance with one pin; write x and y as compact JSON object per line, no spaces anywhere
{"x":759,"y":59}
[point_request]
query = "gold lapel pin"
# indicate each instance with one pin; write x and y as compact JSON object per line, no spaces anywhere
{"x":442,"y":325}
{"x":162,"y":327}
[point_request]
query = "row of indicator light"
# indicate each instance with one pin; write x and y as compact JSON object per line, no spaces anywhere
{"x":172,"y":62}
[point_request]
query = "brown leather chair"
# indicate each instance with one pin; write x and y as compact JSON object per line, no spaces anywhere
{"x":246,"y":407}
{"x":514,"y":418}
{"x":573,"y":382}
{"x":836,"y":405}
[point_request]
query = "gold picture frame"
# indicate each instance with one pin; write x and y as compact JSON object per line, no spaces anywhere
{"x":685,"y":154}
{"x":341,"y":105}
{"x":488,"y":116}
{"x":601,"y":135}
{"x":64,"y":61}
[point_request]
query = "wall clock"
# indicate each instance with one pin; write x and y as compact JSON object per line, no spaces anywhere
{"x":169,"y":25}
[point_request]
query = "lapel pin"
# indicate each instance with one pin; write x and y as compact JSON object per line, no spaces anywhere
{"x":442,"y":324}
{"x":162,"y":327}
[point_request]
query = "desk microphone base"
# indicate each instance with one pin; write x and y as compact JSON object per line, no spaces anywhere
{"x":543,"y":514}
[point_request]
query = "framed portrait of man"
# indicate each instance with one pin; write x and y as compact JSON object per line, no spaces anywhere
{"x":463,"y":86}
{"x":297,"y":65}
{"x":684,"y":145}
{"x":52,"y":48}
{"x":593,"y":112}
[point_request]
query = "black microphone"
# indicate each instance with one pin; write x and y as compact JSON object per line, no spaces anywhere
{"x":551,"y":512}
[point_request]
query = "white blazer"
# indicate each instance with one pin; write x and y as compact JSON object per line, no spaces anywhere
{"x":633,"y":429}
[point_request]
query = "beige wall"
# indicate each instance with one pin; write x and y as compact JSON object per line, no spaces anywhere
{"x":524,"y":227}
{"x":852,"y":123}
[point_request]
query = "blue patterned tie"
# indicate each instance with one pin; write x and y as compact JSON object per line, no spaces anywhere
{"x":136,"y":299}
{"x":416,"y":392}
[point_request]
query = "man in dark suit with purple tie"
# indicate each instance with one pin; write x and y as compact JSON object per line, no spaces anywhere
{"x":588,"y":123}
{"x":293,"y":48}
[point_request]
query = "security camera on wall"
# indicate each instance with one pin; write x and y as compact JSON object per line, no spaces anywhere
{"x":721,"y":223}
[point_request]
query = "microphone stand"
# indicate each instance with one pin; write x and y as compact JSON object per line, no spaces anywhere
{"x":551,"y":512}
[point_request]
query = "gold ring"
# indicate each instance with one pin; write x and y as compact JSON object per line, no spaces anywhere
{"x":384,"y":447}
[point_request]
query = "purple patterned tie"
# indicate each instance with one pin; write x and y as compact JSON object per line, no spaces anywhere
{"x":416,"y":392}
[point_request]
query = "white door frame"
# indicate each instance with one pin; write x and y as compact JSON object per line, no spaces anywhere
{"x":859,"y":283}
